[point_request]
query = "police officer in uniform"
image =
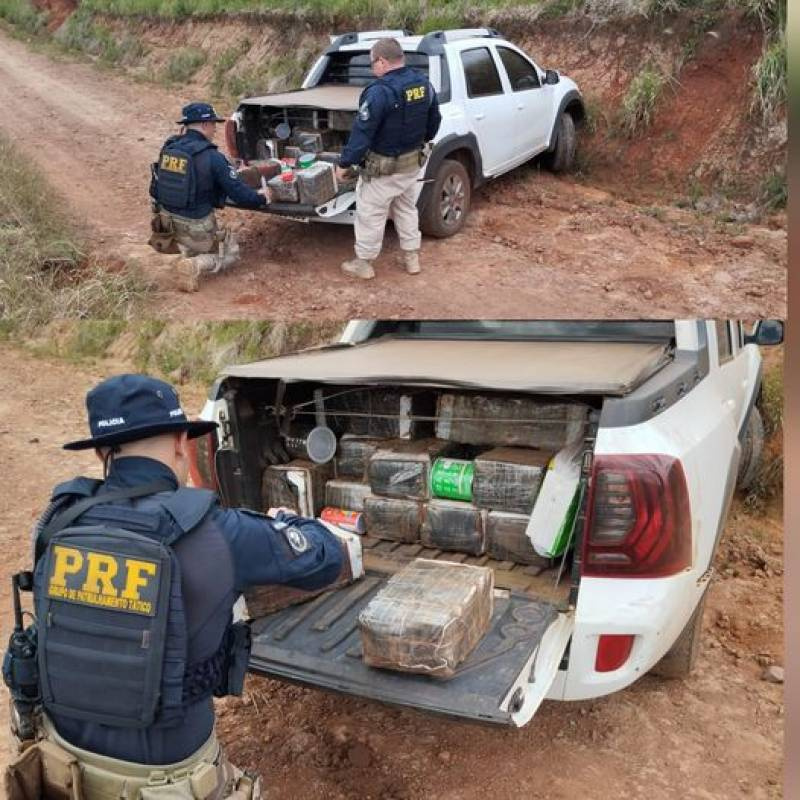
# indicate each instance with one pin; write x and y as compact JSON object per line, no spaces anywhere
{"x":190,"y":179}
{"x":398,"y":113}
{"x":135,"y":579}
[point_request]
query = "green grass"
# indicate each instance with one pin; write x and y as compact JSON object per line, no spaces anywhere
{"x":224,"y":64}
{"x":183,"y":64}
{"x":22,"y":15}
{"x":774,"y":191}
{"x":639,"y":103}
{"x":83,"y":34}
{"x":770,"y":78}
{"x":44,"y":272}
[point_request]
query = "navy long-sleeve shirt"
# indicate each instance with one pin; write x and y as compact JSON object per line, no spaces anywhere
{"x":229,"y":551}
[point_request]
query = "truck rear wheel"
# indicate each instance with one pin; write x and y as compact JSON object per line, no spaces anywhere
{"x":446,"y":210}
{"x":563,"y":155}
{"x":752,"y":447}
{"x":680,"y":659}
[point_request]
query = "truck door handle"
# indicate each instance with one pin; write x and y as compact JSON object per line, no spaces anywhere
{"x":520,"y":107}
{"x":480,"y":116}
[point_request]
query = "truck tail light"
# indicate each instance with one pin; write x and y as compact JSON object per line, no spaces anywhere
{"x":639,"y":522}
{"x":202,"y":470}
{"x":230,"y":139}
{"x":613,"y":650}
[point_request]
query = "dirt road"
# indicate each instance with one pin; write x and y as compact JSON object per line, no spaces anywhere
{"x":535,"y":245}
{"x":717,"y":735}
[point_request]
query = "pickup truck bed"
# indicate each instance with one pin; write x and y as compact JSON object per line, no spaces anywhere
{"x":318,"y":643}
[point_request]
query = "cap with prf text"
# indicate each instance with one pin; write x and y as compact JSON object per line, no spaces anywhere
{"x":127,"y":408}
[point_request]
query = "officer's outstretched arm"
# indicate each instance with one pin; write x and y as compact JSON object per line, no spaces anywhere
{"x":371,"y":110}
{"x":234,"y":187}
{"x":290,"y":550}
{"x":434,"y":117}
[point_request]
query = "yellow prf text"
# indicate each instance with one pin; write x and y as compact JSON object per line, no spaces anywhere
{"x":415,"y":93}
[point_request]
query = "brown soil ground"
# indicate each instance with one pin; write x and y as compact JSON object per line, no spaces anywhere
{"x":716,"y":735}
{"x":535,"y":245}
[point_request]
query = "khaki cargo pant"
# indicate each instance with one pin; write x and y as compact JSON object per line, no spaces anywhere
{"x":58,"y":769}
{"x":377,"y":199}
{"x":198,"y":237}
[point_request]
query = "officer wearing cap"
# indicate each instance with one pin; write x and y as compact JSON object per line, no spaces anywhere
{"x":137,"y":576}
{"x":190,"y":179}
{"x":398,"y":113}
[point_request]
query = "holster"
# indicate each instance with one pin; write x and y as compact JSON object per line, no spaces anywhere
{"x":162,"y":238}
{"x":377,"y":165}
{"x":45,"y":771}
{"x":238,"y":655}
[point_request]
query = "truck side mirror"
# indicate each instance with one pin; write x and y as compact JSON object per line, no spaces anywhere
{"x":551,"y":77}
{"x":766,"y":332}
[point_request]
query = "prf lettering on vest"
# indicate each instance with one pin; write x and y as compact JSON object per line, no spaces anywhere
{"x":107,"y":580}
{"x":174,"y":164}
{"x":415,"y":93}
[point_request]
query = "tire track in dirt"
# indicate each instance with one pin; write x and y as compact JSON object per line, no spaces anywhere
{"x":535,"y":245}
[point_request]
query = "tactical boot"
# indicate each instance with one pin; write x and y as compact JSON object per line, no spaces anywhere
{"x":188,"y":274}
{"x":410,"y":259}
{"x":358,"y":268}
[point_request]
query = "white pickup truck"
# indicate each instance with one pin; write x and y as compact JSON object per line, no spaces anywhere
{"x":499,"y":110}
{"x":673,"y":426}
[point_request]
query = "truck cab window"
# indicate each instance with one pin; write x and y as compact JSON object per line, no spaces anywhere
{"x":724,"y":344}
{"x":521,"y":73}
{"x":481,"y":73}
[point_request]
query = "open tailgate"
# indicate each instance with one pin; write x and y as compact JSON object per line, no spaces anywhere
{"x":503,"y":681}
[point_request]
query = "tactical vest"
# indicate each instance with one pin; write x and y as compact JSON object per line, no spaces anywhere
{"x":182,"y":173}
{"x":107,"y":592}
{"x":410,"y":98}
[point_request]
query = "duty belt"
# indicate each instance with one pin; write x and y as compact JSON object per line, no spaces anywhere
{"x":377,"y":165}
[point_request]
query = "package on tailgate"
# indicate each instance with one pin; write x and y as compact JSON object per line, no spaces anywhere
{"x":427,"y":618}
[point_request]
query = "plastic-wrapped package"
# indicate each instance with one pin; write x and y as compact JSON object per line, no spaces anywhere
{"x":507,"y":539}
{"x":299,"y":485}
{"x":283,"y":188}
{"x":354,"y":453}
{"x":427,"y":618}
{"x":405,"y":469}
{"x":269,"y":598}
{"x":317,"y":183}
{"x":509,"y":478}
{"x":385,"y":413}
{"x":453,"y":525}
{"x":255,"y":170}
{"x":398,"y":520}
{"x":516,"y":421}
{"x":346,"y":494}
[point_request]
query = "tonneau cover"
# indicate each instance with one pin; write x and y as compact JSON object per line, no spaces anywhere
{"x":550,"y":367}
{"x":336,"y":97}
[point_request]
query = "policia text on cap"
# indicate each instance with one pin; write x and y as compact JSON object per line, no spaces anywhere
{"x":134,"y":583}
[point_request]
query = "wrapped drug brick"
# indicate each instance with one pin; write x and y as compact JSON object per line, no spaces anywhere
{"x":509,"y":478}
{"x":404,"y":470}
{"x":346,"y":494}
{"x":354,"y":453}
{"x":283,"y":188}
{"x":454,"y":525}
{"x":298,"y":485}
{"x":502,"y":420}
{"x":428,"y":618}
{"x":507,"y":539}
{"x":317,"y":183}
{"x":385,"y":413}
{"x":397,"y":520}
{"x":267,"y":599}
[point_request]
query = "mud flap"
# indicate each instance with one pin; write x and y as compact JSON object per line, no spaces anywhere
{"x":503,"y":681}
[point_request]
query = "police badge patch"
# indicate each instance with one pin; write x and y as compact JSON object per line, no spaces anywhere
{"x":297,"y":540}
{"x":363,"y":112}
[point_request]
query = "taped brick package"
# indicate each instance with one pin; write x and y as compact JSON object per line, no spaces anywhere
{"x":353,"y":454}
{"x":516,"y":421}
{"x":404,"y":470}
{"x":385,"y":413}
{"x":507,"y":539}
{"x":397,"y":520}
{"x":346,"y":494}
{"x":453,"y":525}
{"x":299,"y":485}
{"x":428,"y":618}
{"x":509,"y":478}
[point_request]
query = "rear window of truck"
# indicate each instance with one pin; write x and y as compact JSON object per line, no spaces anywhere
{"x":354,"y":69}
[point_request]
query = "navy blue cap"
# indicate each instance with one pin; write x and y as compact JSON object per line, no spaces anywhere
{"x":199,"y":112}
{"x":127,"y":408}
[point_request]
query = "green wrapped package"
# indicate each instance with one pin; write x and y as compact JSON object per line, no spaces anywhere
{"x":451,"y":478}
